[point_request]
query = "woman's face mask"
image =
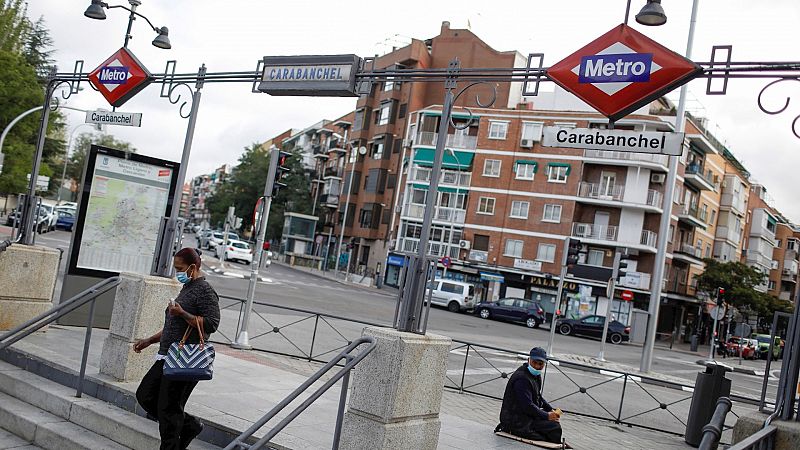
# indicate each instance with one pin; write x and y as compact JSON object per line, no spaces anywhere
{"x":183,"y":277}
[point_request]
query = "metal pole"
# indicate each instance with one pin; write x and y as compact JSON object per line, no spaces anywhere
{"x":86,"y":340}
{"x":243,"y":340}
{"x":14,"y":122}
{"x":346,"y":203}
{"x":164,"y":255}
{"x":714,"y":334}
{"x":666,"y":218}
{"x":627,"y":12}
{"x":409,"y":321}
{"x":29,"y":210}
{"x":613,"y":285}
{"x":557,"y":305}
{"x":131,"y":18}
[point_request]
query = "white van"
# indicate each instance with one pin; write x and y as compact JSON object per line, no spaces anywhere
{"x":455,"y":295}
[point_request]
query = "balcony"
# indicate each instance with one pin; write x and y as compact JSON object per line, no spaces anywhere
{"x":785,"y":295}
{"x":627,"y":158}
{"x":694,"y":176}
{"x":754,"y":257}
{"x":730,"y":234}
{"x":692,"y":216}
{"x":459,"y":141}
{"x":685,"y":252}
{"x":443,"y":214}
{"x":331,"y":201}
{"x":595,"y":232}
{"x":332,"y":172}
{"x":649,"y":238}
{"x":677,"y":285}
{"x":439,"y":249}
{"x":452,"y":178}
{"x":609,"y":195}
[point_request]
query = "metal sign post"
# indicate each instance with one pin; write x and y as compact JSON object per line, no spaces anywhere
{"x":612,"y":285}
{"x":557,"y":306}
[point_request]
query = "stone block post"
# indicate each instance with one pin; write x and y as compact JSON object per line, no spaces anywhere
{"x":27,"y":279}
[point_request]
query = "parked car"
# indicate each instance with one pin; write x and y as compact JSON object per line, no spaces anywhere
{"x":592,"y":326}
{"x":51,"y":216}
{"x":748,"y":347}
{"x":66,"y":220}
{"x":522,"y":310}
{"x":455,"y":295}
{"x":42,"y":224}
{"x":763,"y":346}
{"x":217,"y":238}
{"x":236,"y":250}
{"x":203,"y":237}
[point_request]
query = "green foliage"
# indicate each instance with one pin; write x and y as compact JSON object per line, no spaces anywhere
{"x":246,"y":185}
{"x":81,"y":148}
{"x":13,"y":25}
{"x":38,"y":49}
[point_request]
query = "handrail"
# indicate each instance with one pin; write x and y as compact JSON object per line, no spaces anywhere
{"x":761,"y":439}
{"x":343,"y":372}
{"x":64,"y":308}
{"x":713,"y":430}
{"x":5,"y":244}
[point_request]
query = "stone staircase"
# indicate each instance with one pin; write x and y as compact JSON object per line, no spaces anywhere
{"x":47,"y":415}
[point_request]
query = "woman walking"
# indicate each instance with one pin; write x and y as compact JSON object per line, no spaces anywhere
{"x":196,"y":307}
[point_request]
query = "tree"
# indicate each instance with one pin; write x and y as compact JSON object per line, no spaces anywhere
{"x":81,"y":148}
{"x":246,"y":185}
{"x":739,"y":281}
{"x":37,"y":49}
{"x":13,"y":25}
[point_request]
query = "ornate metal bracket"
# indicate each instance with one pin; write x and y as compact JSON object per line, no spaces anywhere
{"x":257,"y":79}
{"x":453,"y":70}
{"x":538,"y":78}
{"x":364,"y":85}
{"x":168,"y":87}
{"x":714,"y":63}
{"x":795,"y":130}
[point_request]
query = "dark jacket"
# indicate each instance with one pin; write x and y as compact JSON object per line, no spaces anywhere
{"x":523,"y":403}
{"x":198,"y":298}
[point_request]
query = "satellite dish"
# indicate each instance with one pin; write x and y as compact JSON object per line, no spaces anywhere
{"x":362,"y":150}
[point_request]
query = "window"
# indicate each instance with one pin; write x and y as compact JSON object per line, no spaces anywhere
{"x":375,"y":180}
{"x":377,"y":149}
{"x":557,"y":174}
{"x":513,"y":248}
{"x":713,"y":216}
{"x":383,"y":114}
{"x":480,"y":242}
{"x":486,"y":205}
{"x":498,"y":130}
{"x":452,"y":288}
{"x":388,"y":85}
{"x":708,"y":251}
{"x":361,"y":119}
{"x":671,"y":234}
{"x":532,"y":131}
{"x":491,"y":168}
{"x":771,"y":285}
{"x":525,"y":171}
{"x":519,"y":209}
{"x":552,"y":213}
{"x":595,"y":257}
{"x":401,"y":111}
{"x":418,"y":196}
{"x":547,"y":253}
{"x":790,"y":244}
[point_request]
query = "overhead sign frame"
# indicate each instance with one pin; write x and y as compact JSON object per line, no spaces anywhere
{"x":310,"y":75}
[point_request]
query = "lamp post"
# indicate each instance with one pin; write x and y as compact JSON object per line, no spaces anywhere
{"x":458,"y":193}
{"x":95,"y":11}
{"x":650,"y":16}
{"x":349,"y":154}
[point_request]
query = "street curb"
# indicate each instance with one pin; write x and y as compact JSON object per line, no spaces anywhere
{"x":344,"y":283}
{"x":241,"y":276}
{"x":735,"y":369}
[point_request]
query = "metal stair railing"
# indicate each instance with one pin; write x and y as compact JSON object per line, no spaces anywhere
{"x":343,"y":373}
{"x":88,"y":296}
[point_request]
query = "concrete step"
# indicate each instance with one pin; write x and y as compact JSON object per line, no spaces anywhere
{"x":12,"y":441}
{"x":47,"y":430}
{"x":104,"y":419}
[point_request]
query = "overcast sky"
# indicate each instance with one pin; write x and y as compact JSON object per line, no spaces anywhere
{"x":234,"y":35}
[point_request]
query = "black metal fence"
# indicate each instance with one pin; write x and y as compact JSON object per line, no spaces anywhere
{"x":576,"y":388}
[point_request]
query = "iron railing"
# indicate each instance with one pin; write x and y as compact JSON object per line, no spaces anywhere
{"x":88,"y":296}
{"x":579,"y":389}
{"x":343,"y":374}
{"x":4,"y":245}
{"x":712,"y":432}
{"x":763,"y":439}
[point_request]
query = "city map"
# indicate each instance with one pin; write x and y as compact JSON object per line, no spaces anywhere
{"x":126,"y":203}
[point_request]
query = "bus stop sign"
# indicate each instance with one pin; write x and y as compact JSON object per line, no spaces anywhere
{"x":621,"y":71}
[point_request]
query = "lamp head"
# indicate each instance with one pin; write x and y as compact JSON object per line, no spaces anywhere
{"x":95,"y":10}
{"x":162,"y":40}
{"x":652,"y":14}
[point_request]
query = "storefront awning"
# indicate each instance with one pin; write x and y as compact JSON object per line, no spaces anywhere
{"x":489,"y":276}
{"x":461,"y":160}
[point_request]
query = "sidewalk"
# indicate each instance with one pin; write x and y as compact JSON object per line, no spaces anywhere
{"x":248,"y":383}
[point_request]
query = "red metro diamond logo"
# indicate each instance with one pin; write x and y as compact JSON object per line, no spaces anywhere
{"x":621,"y":71}
{"x":120,"y":77}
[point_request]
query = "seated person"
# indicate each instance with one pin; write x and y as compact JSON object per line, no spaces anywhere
{"x":525,"y":413}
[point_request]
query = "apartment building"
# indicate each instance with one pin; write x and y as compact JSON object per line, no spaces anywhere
{"x":761,"y":224}
{"x":203,"y":187}
{"x":786,"y":258}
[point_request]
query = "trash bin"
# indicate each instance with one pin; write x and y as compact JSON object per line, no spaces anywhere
{"x":709,"y":387}
{"x":693,"y":343}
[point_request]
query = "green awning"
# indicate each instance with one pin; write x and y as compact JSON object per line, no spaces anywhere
{"x":461,"y":160}
{"x":529,"y":162}
{"x":555,"y":164}
{"x":454,"y":114}
{"x":452,"y":190}
{"x":772,"y":221}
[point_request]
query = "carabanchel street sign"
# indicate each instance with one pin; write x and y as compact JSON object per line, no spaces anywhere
{"x":313,"y":76}
{"x":114,"y":118}
{"x":617,"y":140}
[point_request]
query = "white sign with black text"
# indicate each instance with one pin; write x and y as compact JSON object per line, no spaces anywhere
{"x":654,"y":142}
{"x":527,"y":264}
{"x":114,"y":118}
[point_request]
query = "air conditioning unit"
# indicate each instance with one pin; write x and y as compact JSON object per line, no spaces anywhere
{"x":464,"y":244}
{"x":658,"y":178}
{"x":408,"y":143}
{"x":526,"y":143}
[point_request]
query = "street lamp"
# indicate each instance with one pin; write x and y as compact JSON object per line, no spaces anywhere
{"x":652,"y":14}
{"x":95,"y":11}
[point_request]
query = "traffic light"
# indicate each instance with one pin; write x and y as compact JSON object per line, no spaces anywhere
{"x":278,"y":170}
{"x":622,"y":270}
{"x":573,"y":251}
{"x":720,"y":296}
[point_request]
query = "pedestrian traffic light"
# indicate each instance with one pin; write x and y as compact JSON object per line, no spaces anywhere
{"x":278,"y":170}
{"x":622,"y":269}
{"x":573,"y":251}
{"x":720,"y":296}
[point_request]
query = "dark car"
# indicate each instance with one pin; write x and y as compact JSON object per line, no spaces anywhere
{"x":528,"y":312}
{"x":592,"y":326}
{"x":41,"y":219}
{"x":66,"y":220}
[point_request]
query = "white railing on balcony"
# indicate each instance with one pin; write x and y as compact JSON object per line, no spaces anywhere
{"x":649,"y":238}
{"x":443,"y":214}
{"x":600,"y":192}
{"x":449,"y":177}
{"x":692,"y":211}
{"x":439,"y":249}
{"x":429,"y":138}
{"x":654,"y":198}
{"x":592,"y":231}
{"x":689,"y":249}
{"x":628,"y":156}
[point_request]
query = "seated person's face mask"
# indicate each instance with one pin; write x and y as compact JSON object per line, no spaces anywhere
{"x":533,"y":370}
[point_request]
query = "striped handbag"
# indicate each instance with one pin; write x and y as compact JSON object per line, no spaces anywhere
{"x":190,"y":362}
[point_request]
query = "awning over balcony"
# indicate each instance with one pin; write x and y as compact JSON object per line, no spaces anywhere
{"x":454,"y":114}
{"x":557,"y":164}
{"x":529,"y":162}
{"x":461,"y":160}
{"x":449,"y":189}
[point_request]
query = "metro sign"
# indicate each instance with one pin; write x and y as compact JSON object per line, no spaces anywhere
{"x":621,"y":71}
{"x":120,"y":77}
